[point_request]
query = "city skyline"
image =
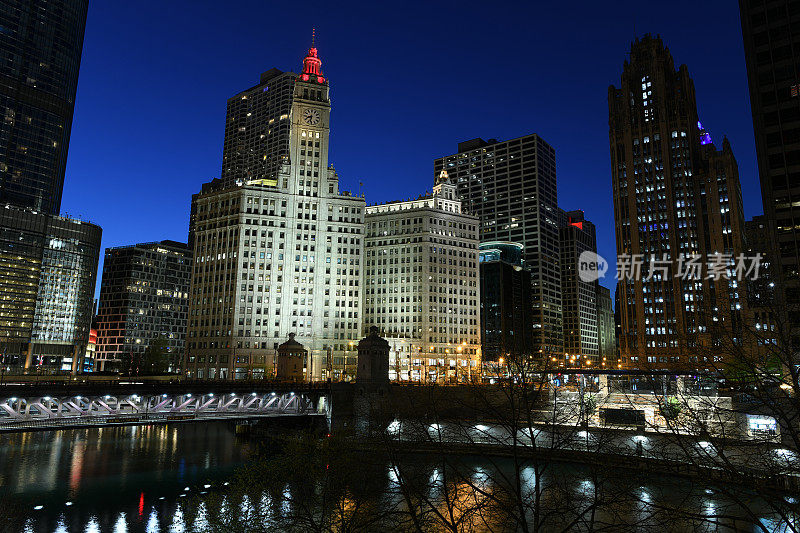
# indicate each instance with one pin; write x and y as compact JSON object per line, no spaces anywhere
{"x":191,"y":80}
{"x":399,"y":266}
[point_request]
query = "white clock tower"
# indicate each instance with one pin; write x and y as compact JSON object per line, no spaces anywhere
{"x":310,"y":130}
{"x":295,"y":242}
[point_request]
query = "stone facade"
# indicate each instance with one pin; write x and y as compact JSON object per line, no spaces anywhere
{"x":276,"y":251}
{"x":373,"y":359}
{"x":422,"y":285}
{"x":292,"y":358}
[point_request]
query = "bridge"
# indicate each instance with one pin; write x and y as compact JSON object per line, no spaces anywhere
{"x":67,"y":404}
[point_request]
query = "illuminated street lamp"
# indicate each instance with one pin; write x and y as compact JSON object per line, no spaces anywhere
{"x":460,"y":349}
{"x":346,"y":356}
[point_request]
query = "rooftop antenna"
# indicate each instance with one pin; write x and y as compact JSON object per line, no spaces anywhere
{"x":313,"y":37}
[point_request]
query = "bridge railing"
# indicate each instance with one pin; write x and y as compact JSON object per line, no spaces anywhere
{"x":104,"y":407}
{"x":119,"y":384}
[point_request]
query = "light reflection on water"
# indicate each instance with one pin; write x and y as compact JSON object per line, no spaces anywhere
{"x":136,"y":479}
{"x":115,"y":479}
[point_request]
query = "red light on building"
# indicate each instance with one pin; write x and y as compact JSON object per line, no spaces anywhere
{"x":312,"y":64}
{"x":578,"y":225}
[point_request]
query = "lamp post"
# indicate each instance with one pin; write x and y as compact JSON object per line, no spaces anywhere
{"x":458,"y":361}
{"x":427,"y":372}
{"x":329,"y":366}
{"x":346,"y":355}
{"x":310,"y":364}
{"x":421,"y":360}
{"x":397,"y":366}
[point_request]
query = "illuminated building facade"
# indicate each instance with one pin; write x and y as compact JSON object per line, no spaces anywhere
{"x":46,"y":291}
{"x":578,"y":297}
{"x":278,"y":246}
{"x":606,"y":329}
{"x":40,"y":43}
{"x":772,"y":54}
{"x":506,"y":311}
{"x":421,"y":285}
{"x":674,"y":193}
{"x":144,"y":295}
{"x":91,"y":351}
{"x":764,"y":295}
{"x":511,"y":187}
{"x":48,"y":262}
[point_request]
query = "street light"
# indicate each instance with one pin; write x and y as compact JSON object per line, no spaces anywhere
{"x":2,"y":367}
{"x":460,"y":349}
{"x":329,"y":365}
{"x":346,"y":355}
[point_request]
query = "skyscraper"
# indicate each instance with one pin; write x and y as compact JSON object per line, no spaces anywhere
{"x":675,"y":195}
{"x":511,"y":186}
{"x":277,"y":245}
{"x":764,"y":295}
{"x":67,"y":277}
{"x":506,"y":322}
{"x":771,"y":51}
{"x":421,"y":285}
{"x":49,"y":262}
{"x":606,"y":338}
{"x":144,"y":295}
{"x":49,"y":269}
{"x":578,"y":297}
{"x":40,"y":47}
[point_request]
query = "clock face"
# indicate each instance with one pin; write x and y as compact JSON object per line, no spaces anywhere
{"x":311,"y":116}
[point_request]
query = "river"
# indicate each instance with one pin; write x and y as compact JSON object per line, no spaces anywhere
{"x":112,"y":479}
{"x":134,"y":479}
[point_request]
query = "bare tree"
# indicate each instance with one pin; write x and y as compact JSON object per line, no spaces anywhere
{"x":534,"y":452}
{"x":302,"y":482}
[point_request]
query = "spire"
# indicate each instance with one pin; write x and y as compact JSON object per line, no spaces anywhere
{"x":312,"y":65}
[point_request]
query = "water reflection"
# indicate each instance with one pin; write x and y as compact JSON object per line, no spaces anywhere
{"x":110,"y":479}
{"x":155,"y":478}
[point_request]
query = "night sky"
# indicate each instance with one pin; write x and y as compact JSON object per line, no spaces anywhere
{"x":408,"y":82}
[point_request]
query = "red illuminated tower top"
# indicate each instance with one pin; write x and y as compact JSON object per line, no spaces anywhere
{"x":312,"y":65}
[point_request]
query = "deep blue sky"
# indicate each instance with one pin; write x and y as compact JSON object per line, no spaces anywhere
{"x":408,"y":82}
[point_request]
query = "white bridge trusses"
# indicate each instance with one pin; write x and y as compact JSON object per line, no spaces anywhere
{"x":17,"y":409}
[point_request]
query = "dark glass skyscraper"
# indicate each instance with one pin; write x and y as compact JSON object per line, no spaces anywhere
{"x":40,"y":54}
{"x":772,"y":52}
{"x":48,"y":269}
{"x":49,"y":262}
{"x":506,"y":312}
{"x":511,"y":186}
